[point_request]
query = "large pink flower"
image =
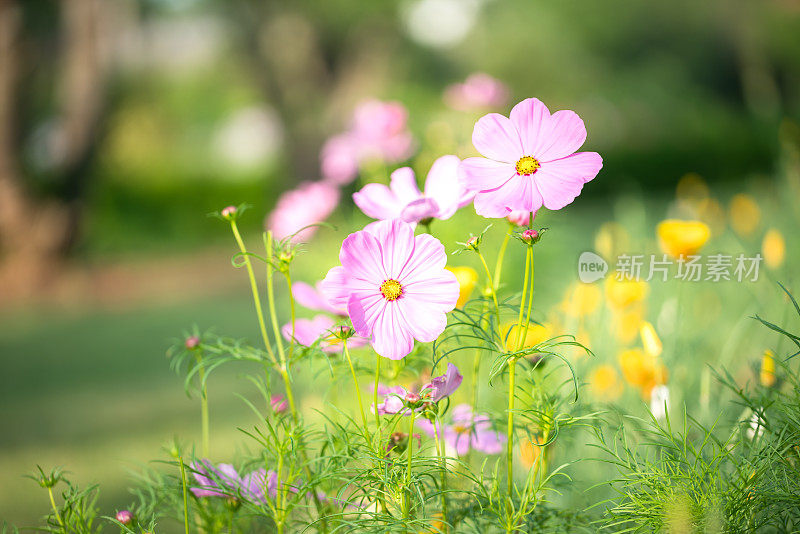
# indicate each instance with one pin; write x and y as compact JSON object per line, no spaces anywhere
{"x":309,"y":204}
{"x":444,"y":194}
{"x":530,"y":160}
{"x":394,"y":285}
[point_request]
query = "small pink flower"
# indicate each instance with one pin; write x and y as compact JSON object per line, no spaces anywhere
{"x":438,"y":388}
{"x":308,"y":331}
{"x":192,"y":342}
{"x":443,"y":386}
{"x":313,"y":299}
{"x":223,"y":480}
{"x":443,"y":195}
{"x":467,"y":431}
{"x":380,"y":131}
{"x":529,"y":160}
{"x":339,"y":159}
{"x":310,"y":203}
{"x":520,"y":218}
{"x":125,"y":517}
{"x":394,"y":285}
{"x":478,"y":92}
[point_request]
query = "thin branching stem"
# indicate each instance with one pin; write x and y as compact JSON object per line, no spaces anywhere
{"x":491,"y":285}
{"x":55,"y":508}
{"x":185,"y":496}
{"x":203,"y":404}
{"x":498,"y":267}
{"x":438,"y":433}
{"x":407,"y":492}
{"x":358,"y":391}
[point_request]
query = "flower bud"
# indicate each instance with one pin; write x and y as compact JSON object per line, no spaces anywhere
{"x":412,"y":398}
{"x":228,"y":213}
{"x":278,"y":403}
{"x":125,"y":517}
{"x":192,"y":342}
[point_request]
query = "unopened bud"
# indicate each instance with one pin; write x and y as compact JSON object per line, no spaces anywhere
{"x":412,"y":398}
{"x":530,"y":235}
{"x":228,"y":212}
{"x":192,"y":342}
{"x":125,"y":517}
{"x":278,"y":403}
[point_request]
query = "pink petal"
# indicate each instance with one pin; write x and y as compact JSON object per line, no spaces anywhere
{"x":479,"y":174}
{"x":364,"y":309}
{"x":419,"y":210}
{"x":439,"y":290}
{"x":389,"y":338}
{"x":377,"y":201}
{"x":312,"y":298}
{"x":518,"y":194}
{"x":531,"y":118}
{"x":335,"y":287}
{"x":396,"y":242}
{"x":423,"y":321}
{"x":495,"y":137}
{"x":404,"y":186}
{"x":429,"y":259}
{"x":361,"y":257}
{"x":443,"y":185}
{"x":566,"y":133}
{"x":560,"y":181}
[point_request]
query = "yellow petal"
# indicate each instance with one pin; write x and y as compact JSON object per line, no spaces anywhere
{"x":745,"y":215}
{"x":467,"y":278}
{"x":682,"y":238}
{"x":767,"y":374}
{"x":650,"y":340}
{"x":773,"y":248}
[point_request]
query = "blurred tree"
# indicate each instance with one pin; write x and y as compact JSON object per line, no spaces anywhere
{"x":40,"y":204}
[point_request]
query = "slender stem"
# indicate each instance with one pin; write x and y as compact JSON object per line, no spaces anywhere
{"x":230,"y":521}
{"x":55,"y":508}
{"x":498,"y":268}
{"x":512,"y":371}
{"x":438,"y":433}
{"x":530,"y":296}
{"x":203,"y":405}
{"x":292,"y":311}
{"x":476,"y":368}
{"x":254,"y":287}
{"x":519,"y":340}
{"x":491,"y":285}
{"x":375,"y":393}
{"x":358,"y":390}
{"x":185,"y":496}
{"x":407,"y":510}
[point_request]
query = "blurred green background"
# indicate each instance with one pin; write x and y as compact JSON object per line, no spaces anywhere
{"x":122,"y":124}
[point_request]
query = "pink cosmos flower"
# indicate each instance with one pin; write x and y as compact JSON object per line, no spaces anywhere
{"x":479,"y":91}
{"x":224,"y":481}
{"x":444,"y":194}
{"x":313,"y":299}
{"x":529,"y":160}
{"x":308,"y":331}
{"x":378,"y":131}
{"x":310,"y":203}
{"x":467,"y":431}
{"x":394,"y":285}
{"x":438,"y":388}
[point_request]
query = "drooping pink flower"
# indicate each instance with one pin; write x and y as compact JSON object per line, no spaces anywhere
{"x":308,"y":331}
{"x":394,"y":285}
{"x":529,"y":160}
{"x":478,"y":92}
{"x":438,"y":388}
{"x":444,"y":194}
{"x":467,"y":431}
{"x":309,"y":204}
{"x":313,"y":299}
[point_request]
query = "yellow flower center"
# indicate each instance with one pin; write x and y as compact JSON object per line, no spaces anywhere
{"x":527,"y":165}
{"x":391,"y":289}
{"x":460,"y":429}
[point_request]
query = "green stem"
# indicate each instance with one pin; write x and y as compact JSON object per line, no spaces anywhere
{"x":476,"y":368}
{"x":438,"y":433}
{"x":498,"y":267}
{"x":185,"y":496}
{"x":530,"y":297}
{"x":292,"y":311}
{"x":55,"y":508}
{"x":203,"y":406}
{"x":519,"y":340}
{"x":491,"y":286}
{"x":407,"y":507}
{"x":254,"y":287}
{"x":375,"y":393}
{"x":358,"y":391}
{"x":512,"y":368}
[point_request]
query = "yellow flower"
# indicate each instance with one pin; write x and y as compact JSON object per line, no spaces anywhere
{"x":604,"y":383}
{"x":682,"y":238}
{"x":536,"y":334}
{"x":467,"y":278}
{"x":650,"y":340}
{"x":773,"y":248}
{"x":530,"y":450}
{"x":642,"y":370}
{"x":624,"y":293}
{"x":582,"y":299}
{"x":745,"y":215}
{"x":692,"y":188}
{"x":612,"y":239}
{"x":628,"y":323}
{"x":767,"y":374}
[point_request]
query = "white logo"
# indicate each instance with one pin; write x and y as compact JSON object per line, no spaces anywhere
{"x":591,"y":267}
